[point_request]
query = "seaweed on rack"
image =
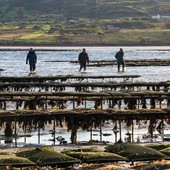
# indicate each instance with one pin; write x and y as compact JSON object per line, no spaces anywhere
{"x":85,"y":120}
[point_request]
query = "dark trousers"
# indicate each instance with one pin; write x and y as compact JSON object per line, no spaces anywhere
{"x":119,"y":64}
{"x":32,"y":67}
{"x":82,"y":65}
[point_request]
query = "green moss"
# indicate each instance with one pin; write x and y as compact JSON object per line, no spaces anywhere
{"x":96,"y":157}
{"x":167,"y":83}
{"x":47,"y":156}
{"x":8,"y":27}
{"x":136,"y":152}
{"x":158,"y":146}
{"x":88,"y":149}
{"x":113,"y":148}
{"x":4,"y":153}
{"x":14,"y":160}
{"x":166,"y":151}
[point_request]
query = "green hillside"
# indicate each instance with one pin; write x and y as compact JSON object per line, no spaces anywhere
{"x":84,"y":8}
{"x":84,"y":22}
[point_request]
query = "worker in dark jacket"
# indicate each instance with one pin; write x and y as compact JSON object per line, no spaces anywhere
{"x":120,"y":61}
{"x":32,"y":59}
{"x":83,"y":59}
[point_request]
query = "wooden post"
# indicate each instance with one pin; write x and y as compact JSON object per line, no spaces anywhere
{"x":132,"y":131}
{"x":46,"y":104}
{"x":115,"y":131}
{"x":91,"y":134}
{"x":25,"y":130}
{"x":109,"y":104}
{"x":100,"y":133}
{"x":120,"y":130}
{"x":74,"y":135}
{"x":85,"y":103}
{"x":151,"y":128}
{"x":54,"y":132}
{"x":17,"y":105}
{"x":160,"y":103}
{"x":38,"y":134}
{"x":73,"y":131}
{"x":4,"y":105}
{"x":73,"y":104}
{"x":163,"y":130}
{"x":115,"y":137}
{"x":101,"y":103}
{"x":15,"y":133}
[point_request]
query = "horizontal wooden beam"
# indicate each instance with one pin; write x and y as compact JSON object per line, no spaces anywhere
{"x":83,"y":84}
{"x":86,"y":112}
{"x":62,"y":78}
{"x":87,"y":94}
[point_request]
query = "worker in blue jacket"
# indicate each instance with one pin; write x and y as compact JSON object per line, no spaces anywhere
{"x":120,"y":61}
{"x":32,"y":60}
{"x":83,"y":59}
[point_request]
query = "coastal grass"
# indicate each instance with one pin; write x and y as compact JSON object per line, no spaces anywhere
{"x":43,"y":27}
{"x":38,"y":37}
{"x":8,"y":26}
{"x":123,"y":36}
{"x":138,"y":35}
{"x":88,"y":32}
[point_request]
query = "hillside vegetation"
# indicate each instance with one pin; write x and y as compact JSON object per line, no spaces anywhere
{"x":84,"y":8}
{"x":90,"y":22}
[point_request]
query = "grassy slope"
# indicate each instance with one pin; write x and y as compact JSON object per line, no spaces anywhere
{"x":131,"y":16}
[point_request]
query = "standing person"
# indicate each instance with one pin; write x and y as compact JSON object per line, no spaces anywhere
{"x":83,"y":59}
{"x":32,"y":59}
{"x":120,"y":61}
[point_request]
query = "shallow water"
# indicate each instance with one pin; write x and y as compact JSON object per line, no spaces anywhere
{"x":14,"y":64}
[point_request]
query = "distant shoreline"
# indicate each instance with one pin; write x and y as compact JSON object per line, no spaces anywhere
{"x":78,"y":48}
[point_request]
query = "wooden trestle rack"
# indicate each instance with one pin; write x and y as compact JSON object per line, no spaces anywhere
{"x":84,"y":102}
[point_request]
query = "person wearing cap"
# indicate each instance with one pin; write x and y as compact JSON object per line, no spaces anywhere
{"x":83,"y":59}
{"x":32,"y":60}
{"x":120,"y":61}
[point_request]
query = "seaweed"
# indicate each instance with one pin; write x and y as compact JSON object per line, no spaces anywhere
{"x":44,"y":156}
{"x":96,"y":157}
{"x":12,"y":160}
{"x":135,"y":152}
{"x":158,"y":146}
